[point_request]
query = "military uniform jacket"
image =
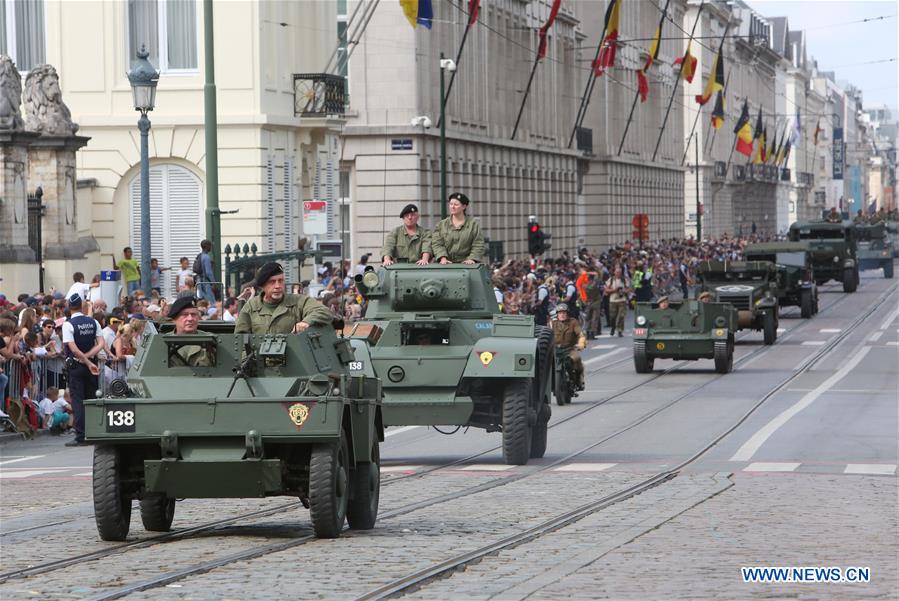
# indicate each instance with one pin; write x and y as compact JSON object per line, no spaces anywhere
{"x":458,"y":244}
{"x":258,"y":318}
{"x":194,"y":355}
{"x":566,"y":333}
{"x":401,"y":246}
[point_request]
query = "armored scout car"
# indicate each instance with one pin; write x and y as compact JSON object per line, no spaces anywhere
{"x":833,"y":249}
{"x":748,"y":286}
{"x":447,"y":357}
{"x":795,"y":273}
{"x":875,"y":248}
{"x":892,"y":228}
{"x":688,"y":330}
{"x":272,"y":415}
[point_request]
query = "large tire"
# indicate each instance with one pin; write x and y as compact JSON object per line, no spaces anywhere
{"x":560,"y":388}
{"x":806,"y":303}
{"x":546,"y":356}
{"x":769,"y":327}
{"x":724,"y":356}
{"x":329,"y":487}
{"x":540,"y":433}
{"x":516,"y":422}
{"x":642,"y":363}
{"x":888,"y":270}
{"x":365,"y":488}
{"x":157,"y":512}
{"x":112,"y":509}
{"x":850,"y":280}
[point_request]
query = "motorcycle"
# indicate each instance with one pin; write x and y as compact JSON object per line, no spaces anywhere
{"x":564,"y":382}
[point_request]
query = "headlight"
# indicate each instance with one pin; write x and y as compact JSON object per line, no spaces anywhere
{"x":641,"y":320}
{"x":836,"y":259}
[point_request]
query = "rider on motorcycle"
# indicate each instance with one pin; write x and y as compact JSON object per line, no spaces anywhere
{"x":567,"y":333}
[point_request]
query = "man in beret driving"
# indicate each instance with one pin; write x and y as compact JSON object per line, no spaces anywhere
{"x":408,"y":242}
{"x":186,"y":315}
{"x":275,"y":311}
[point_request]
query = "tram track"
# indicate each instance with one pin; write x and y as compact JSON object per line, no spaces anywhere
{"x":569,"y":517}
{"x":218,"y":524}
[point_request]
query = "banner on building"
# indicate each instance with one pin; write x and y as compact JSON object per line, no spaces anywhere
{"x":838,"y":153}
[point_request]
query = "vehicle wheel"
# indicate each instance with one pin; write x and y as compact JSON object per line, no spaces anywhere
{"x":157,"y":512}
{"x":806,"y":305}
{"x":769,"y":327}
{"x":540,"y":432}
{"x":888,"y":270}
{"x":329,"y":487}
{"x":642,"y":363}
{"x":816,"y":302}
{"x":112,"y":509}
{"x":516,"y":429}
{"x":546,"y":360}
{"x":724,"y":357}
{"x":849,"y":284}
{"x":362,"y":509}
{"x":560,"y":388}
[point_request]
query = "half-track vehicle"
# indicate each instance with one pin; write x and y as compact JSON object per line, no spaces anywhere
{"x":833,"y":248}
{"x":892,"y":228}
{"x":875,"y":248}
{"x":748,"y":286}
{"x":795,"y":284}
{"x":447,"y":357}
{"x":272,"y":415}
{"x":686,"y":330}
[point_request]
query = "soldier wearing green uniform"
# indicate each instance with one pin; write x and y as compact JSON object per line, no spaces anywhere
{"x":276,"y":312}
{"x":458,"y":239}
{"x":408,"y":242}
{"x":567,"y":333}
{"x":186,"y":316}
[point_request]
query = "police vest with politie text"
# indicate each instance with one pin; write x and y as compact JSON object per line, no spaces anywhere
{"x":84,"y":333}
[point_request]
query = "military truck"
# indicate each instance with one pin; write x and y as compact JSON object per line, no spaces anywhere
{"x":448,"y":357}
{"x":748,"y":286}
{"x":687,"y":330}
{"x":272,"y":415}
{"x":875,"y":248}
{"x":795,"y":284}
{"x":833,"y":249}
{"x":892,"y":228}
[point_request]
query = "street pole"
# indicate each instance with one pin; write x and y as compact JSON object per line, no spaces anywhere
{"x":698,"y":205}
{"x":442,"y":141}
{"x":143,"y":124}
{"x":210,"y":126}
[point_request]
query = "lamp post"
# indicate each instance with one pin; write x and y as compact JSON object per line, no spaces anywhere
{"x":143,"y":78}
{"x":446,"y":64}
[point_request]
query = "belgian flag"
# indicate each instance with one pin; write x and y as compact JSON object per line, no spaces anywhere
{"x":716,"y":80}
{"x":609,"y":44}
{"x":642,"y":83}
{"x":743,"y":130}
{"x":689,"y":61}
{"x":718,"y":112}
{"x":761,"y":154}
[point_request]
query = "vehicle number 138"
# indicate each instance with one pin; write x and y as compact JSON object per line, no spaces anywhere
{"x":120,"y":419}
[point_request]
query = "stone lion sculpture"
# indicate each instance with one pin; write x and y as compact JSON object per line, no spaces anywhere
{"x":10,"y":95}
{"x":46,"y":112}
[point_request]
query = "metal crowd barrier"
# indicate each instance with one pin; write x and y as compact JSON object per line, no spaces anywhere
{"x":32,"y":380}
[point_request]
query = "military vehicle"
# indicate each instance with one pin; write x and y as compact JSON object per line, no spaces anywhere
{"x":833,"y":249}
{"x":795,"y":284}
{"x":875,"y":248}
{"x":893,"y":232}
{"x":687,"y":330}
{"x":749,"y":286}
{"x":448,"y":357}
{"x":272,"y":415}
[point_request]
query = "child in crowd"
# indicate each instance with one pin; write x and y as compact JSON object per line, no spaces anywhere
{"x":56,"y":412}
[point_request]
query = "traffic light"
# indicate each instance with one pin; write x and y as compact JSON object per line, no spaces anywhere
{"x":537,"y":239}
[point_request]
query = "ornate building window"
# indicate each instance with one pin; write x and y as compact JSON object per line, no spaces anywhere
{"x":22,"y":32}
{"x":169,"y":30}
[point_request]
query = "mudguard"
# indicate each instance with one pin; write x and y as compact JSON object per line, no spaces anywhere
{"x":502,"y":358}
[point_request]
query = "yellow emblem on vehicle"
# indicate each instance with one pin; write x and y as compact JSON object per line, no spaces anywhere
{"x":486,"y":357}
{"x":298,"y":413}
{"x":719,"y":332}
{"x":660,"y":346}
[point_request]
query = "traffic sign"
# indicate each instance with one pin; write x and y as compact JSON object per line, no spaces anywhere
{"x":315,"y":217}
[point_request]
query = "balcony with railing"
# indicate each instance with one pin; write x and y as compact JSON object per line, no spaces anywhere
{"x":319,"y":95}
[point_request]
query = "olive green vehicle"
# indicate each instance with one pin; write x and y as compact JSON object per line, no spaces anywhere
{"x":689,"y":330}
{"x":875,"y":248}
{"x":833,"y":248}
{"x":892,"y":228}
{"x":273,"y":415}
{"x":795,"y":284}
{"x":447,"y":357}
{"x":749,"y":286}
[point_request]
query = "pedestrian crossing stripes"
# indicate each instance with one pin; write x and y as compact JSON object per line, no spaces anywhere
{"x":814,"y":343}
{"x":872,"y":469}
{"x":862,"y":469}
{"x":770,"y":467}
{"x":831,"y":330}
{"x":584,"y":467}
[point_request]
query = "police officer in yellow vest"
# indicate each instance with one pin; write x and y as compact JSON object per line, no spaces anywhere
{"x":458,"y":238}
{"x":408,"y":242}
{"x":567,"y":333}
{"x":276,"y":312}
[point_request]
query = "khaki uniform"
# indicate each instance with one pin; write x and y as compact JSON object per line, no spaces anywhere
{"x":594,"y":308}
{"x":458,"y":244}
{"x":617,"y":303}
{"x":400,"y":246}
{"x":568,"y":333}
{"x":195,"y":355}
{"x":256,"y":317}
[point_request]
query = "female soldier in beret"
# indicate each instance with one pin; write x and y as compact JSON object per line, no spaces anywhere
{"x":458,"y":239}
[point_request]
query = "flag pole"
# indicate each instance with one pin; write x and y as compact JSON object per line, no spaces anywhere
{"x":588,"y":92}
{"x":525,"y":99}
{"x":712,"y":135}
{"x":699,"y":110}
{"x":449,"y":86}
{"x":676,"y":83}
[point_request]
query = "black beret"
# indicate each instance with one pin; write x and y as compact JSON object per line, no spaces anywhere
{"x":266,"y":272}
{"x":409,"y":208}
{"x":182,"y":303}
{"x":460,"y":197}
{"x":74,"y":300}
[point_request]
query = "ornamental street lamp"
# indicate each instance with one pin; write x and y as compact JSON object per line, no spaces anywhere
{"x":446,"y":64}
{"x":143,"y":78}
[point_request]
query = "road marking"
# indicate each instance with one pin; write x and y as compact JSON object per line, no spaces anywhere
{"x":389,"y":469}
{"x":486,"y":467}
{"x":831,"y":330}
{"x":29,"y":458}
{"x":603,"y":346}
{"x":605,"y":355}
{"x":779,"y":330}
{"x":29,"y":473}
{"x":770,"y":467}
{"x":814,"y":343}
{"x":892,"y":343}
{"x":752,"y":445}
{"x":845,"y":391}
{"x":584,"y":467}
{"x":85,"y":474}
{"x":892,"y":317}
{"x":876,"y":336}
{"x":399,"y":430}
{"x":872,"y":469}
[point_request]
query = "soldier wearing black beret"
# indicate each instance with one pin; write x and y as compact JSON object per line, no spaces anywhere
{"x":409,"y":242}
{"x":458,"y":238}
{"x":274,"y":311}
{"x":186,"y":316}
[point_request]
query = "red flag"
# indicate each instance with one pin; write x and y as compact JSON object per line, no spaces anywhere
{"x":553,"y":12}
{"x":473,"y":7}
{"x":689,"y":61}
{"x":609,"y":43}
{"x":642,"y":85}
